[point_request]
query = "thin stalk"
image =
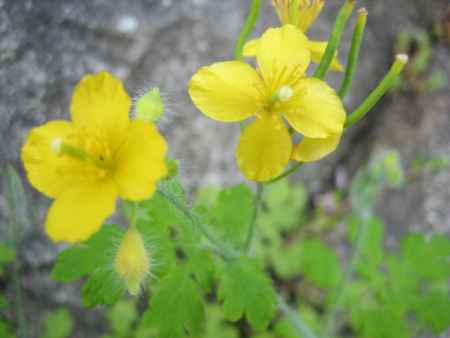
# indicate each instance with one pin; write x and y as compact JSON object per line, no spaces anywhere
{"x":375,"y":96}
{"x":256,"y":207}
{"x":23,"y":327}
{"x":330,"y":318}
{"x":353,"y":58}
{"x":287,"y":173}
{"x":218,"y":245}
{"x":295,"y":319}
{"x":247,"y":28}
{"x":335,"y":39}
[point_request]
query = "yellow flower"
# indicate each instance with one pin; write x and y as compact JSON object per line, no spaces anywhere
{"x":132,"y":261}
{"x":300,"y":13}
{"x":233,"y":91}
{"x":87,"y":163}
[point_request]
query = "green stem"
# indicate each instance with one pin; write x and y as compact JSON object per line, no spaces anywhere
{"x":23,"y":328}
{"x":247,"y":28}
{"x":353,"y":58}
{"x":256,"y":207}
{"x":330,"y":318}
{"x":295,"y":319}
{"x":335,"y":39}
{"x":379,"y":91}
{"x":227,"y":253}
{"x":217,"y":245}
{"x":288,"y":172}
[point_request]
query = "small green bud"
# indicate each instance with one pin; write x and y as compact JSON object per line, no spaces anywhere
{"x":172,"y":167}
{"x":150,"y":106}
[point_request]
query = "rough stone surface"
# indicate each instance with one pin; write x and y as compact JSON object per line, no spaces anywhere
{"x":46,"y":46}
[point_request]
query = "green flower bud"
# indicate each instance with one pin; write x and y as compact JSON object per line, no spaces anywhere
{"x":150,"y":106}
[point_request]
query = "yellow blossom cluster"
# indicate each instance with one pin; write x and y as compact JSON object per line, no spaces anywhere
{"x":274,"y":95}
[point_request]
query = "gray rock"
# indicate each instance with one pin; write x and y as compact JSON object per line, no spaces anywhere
{"x":46,"y":46}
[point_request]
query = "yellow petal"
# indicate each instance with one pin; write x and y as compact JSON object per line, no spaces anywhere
{"x":309,"y":10}
{"x":283,"y":50}
{"x":315,"y":111}
{"x":226,"y":91}
{"x":251,"y":48}
{"x":44,"y":168}
{"x":100,"y":101}
{"x":140,"y":161}
{"x":80,"y":211}
{"x":317,"y":49}
{"x":264,"y":149}
{"x":313,"y":149}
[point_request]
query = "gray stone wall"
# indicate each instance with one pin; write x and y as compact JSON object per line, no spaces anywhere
{"x":46,"y":46}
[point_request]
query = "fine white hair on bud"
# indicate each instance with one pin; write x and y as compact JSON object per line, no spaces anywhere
{"x":56,"y":145}
{"x":285,"y":93}
{"x":132,"y":261}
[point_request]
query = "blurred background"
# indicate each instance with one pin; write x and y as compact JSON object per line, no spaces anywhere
{"x":47,"y":46}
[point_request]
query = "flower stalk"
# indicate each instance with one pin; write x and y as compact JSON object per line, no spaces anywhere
{"x":400,"y":61}
{"x":353,"y":57}
{"x":247,"y":28}
{"x":335,"y":39}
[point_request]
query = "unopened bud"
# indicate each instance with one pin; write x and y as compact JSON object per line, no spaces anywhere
{"x":150,"y":106}
{"x":132,"y":261}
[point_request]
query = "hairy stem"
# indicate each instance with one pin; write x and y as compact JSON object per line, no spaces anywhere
{"x":353,"y":57}
{"x":247,"y":28}
{"x":375,"y":96}
{"x":256,"y":207}
{"x":330,"y":318}
{"x":228,"y":253}
{"x":295,"y":319}
{"x":335,"y":39}
{"x":23,"y":327}
{"x":217,"y":245}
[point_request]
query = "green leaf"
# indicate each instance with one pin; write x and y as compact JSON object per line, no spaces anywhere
{"x":215,"y":325}
{"x":285,"y":203}
{"x":6,"y":331}
{"x":245,"y":289}
{"x":434,"y":310}
{"x":158,"y":241}
{"x":380,"y":322}
{"x":233,"y":212}
{"x":427,"y":258}
{"x":79,"y":260}
{"x":287,"y":260}
{"x":201,"y":265}
{"x":284,"y":329}
{"x":372,"y":251}
{"x":320,"y":264}
{"x":7,"y":254}
{"x":122,"y":316}
{"x":3,"y":302}
{"x":58,"y":324}
{"x":16,"y":204}
{"x":176,"y":309}
{"x":104,"y":286}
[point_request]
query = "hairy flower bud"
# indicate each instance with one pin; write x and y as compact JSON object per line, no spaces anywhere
{"x":150,"y":106}
{"x":132,"y":262}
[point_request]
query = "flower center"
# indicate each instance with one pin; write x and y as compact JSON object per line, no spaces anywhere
{"x":284,"y":93}
{"x":85,"y":147}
